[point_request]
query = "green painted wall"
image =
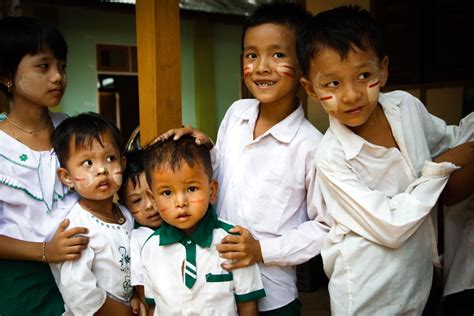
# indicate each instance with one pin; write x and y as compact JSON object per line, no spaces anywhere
{"x":84,"y":28}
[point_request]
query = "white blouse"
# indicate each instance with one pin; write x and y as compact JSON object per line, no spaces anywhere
{"x":32,"y":199}
{"x":380,"y":249}
{"x":103,"y":268}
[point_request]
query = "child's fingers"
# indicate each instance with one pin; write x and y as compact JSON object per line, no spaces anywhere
{"x":75,"y":231}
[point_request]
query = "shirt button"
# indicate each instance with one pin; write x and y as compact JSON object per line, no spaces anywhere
{"x":188,"y":242}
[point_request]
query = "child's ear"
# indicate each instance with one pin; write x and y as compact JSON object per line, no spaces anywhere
{"x":308,"y":86}
{"x":213,"y":186}
{"x":384,"y":71}
{"x":64,"y":176}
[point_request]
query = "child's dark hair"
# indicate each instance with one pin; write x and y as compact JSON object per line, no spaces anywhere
{"x":84,"y":129}
{"x":21,"y":36}
{"x":172,"y":153}
{"x":339,"y":29}
{"x":287,"y":14}
{"x":134,"y":168}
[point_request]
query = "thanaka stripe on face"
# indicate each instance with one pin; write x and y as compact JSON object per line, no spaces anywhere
{"x":329,"y":97}
{"x":374,"y":84}
{"x":248,"y":70}
{"x":286,"y":69}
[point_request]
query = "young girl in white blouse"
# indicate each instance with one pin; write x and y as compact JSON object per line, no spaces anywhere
{"x":381,"y":168}
{"x":134,"y":194}
{"x":33,"y":202}
{"x":88,"y":147}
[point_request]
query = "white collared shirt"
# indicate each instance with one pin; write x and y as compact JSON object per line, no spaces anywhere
{"x":102,"y":271}
{"x":268,"y":185}
{"x":458,"y":260}
{"x":32,"y":199}
{"x":379,"y":251}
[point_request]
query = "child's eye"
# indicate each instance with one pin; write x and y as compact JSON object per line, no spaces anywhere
{"x":87,"y":163}
{"x":136,"y":201}
{"x":278,"y":55}
{"x":43,"y":66}
{"x":364,"y":75}
{"x":166,"y":193}
{"x":192,"y":189}
{"x":251,"y":56}
{"x":332,"y":84}
{"x":111,"y":159}
{"x":63,"y":67}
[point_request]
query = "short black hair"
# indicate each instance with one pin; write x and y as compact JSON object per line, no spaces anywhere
{"x":339,"y":29}
{"x":134,"y":168}
{"x":84,"y":129}
{"x":21,"y":36}
{"x":172,"y":153}
{"x":288,"y":14}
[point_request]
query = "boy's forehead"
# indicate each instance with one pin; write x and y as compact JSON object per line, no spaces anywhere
{"x":328,"y":61}
{"x":278,"y":34}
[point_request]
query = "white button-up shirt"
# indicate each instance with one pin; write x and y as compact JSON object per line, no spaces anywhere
{"x":268,"y":185}
{"x":459,"y":232}
{"x":379,"y":251}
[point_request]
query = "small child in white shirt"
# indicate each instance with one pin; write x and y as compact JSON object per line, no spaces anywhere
{"x":376,"y":168}
{"x":134,"y":194}
{"x":181,"y":264}
{"x":88,"y":147}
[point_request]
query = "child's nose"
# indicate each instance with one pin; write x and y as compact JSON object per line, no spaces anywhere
{"x":101,"y":170}
{"x":181,"y":200}
{"x":351,"y":94}
{"x":262,"y":65}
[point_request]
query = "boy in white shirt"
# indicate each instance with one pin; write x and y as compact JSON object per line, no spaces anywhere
{"x":375,"y":169}
{"x":89,"y":147}
{"x":181,"y":265}
{"x":264,"y":162}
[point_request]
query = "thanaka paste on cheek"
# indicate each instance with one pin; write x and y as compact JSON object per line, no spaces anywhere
{"x":85,"y":180}
{"x":373,"y":89}
{"x":248,"y":70}
{"x":117,"y":176}
{"x":33,"y":83}
{"x":328,"y":100}
{"x":286,"y":70}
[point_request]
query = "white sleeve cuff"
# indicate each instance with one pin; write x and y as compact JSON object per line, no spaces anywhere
{"x":438,"y":170}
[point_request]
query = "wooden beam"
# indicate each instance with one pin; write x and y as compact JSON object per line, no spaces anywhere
{"x":159,"y":69}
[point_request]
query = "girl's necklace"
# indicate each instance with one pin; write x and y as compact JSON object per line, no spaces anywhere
{"x":21,"y":128}
{"x":116,"y":213}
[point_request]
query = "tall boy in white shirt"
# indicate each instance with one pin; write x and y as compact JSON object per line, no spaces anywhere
{"x":375,"y":169}
{"x":264,"y":162}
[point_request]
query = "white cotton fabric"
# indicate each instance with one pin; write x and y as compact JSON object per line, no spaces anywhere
{"x":268,"y":185}
{"x":459,"y":232}
{"x":33,"y":201}
{"x":380,"y":250}
{"x":164,"y":277}
{"x":103,"y":268}
{"x":139,"y":236}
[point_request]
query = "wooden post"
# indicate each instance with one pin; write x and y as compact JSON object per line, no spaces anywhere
{"x":159,"y":70}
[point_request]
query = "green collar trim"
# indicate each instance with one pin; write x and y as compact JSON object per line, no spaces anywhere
{"x":202,"y":235}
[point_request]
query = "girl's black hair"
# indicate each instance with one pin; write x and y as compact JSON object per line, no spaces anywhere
{"x":84,"y":129}
{"x":339,"y":29}
{"x":288,"y":14}
{"x":21,"y":36}
{"x":134,"y":168}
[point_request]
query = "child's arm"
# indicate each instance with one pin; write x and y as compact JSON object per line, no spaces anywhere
{"x":460,"y":186}
{"x":247,"y":308}
{"x":137,"y":302}
{"x":241,"y":250}
{"x":112,"y":307}
{"x":64,"y":245}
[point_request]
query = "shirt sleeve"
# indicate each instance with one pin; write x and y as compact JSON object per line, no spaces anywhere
{"x":78,"y":284}
{"x":388,"y":221}
{"x":248,"y":284}
{"x":304,"y":242}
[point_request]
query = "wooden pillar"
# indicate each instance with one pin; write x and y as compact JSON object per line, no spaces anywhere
{"x":159,"y":70}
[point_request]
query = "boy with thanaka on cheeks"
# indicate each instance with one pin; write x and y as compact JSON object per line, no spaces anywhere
{"x":181,"y":266}
{"x":376,"y":168}
{"x":89,"y":147}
